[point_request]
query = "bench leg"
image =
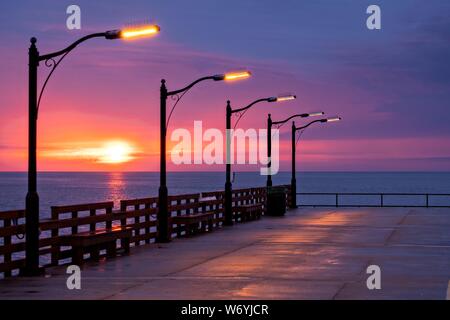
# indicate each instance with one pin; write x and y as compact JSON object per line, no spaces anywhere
{"x":77,"y":257}
{"x":95,"y":253}
{"x":111,"y":249}
{"x":125,"y":244}
{"x":178,"y":230}
{"x":55,"y":254}
{"x":210,"y":224}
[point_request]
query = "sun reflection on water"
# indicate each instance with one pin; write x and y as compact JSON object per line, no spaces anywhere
{"x":116,"y":186}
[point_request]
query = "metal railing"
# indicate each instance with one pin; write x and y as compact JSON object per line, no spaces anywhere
{"x":425,"y":200}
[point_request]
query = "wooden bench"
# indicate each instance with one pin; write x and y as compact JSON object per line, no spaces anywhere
{"x":248,"y":212}
{"x":195,"y":222}
{"x":94,"y":241}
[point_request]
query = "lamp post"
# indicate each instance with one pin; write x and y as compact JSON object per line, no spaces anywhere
{"x":293,"y":180}
{"x":163,"y":205}
{"x":228,"y":186}
{"x":32,"y":197}
{"x":270,"y":123}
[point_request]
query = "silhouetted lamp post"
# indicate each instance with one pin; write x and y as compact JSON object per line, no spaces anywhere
{"x":163,"y":205}
{"x":32,"y":198}
{"x":270,"y":123}
{"x":228,"y":186}
{"x":293,"y":180}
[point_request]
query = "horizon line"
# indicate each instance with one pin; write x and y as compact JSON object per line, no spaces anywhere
{"x":221,"y":171}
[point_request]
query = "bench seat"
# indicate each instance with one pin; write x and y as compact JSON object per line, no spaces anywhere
{"x":248,"y":212}
{"x":195,"y":222}
{"x":93,"y":241}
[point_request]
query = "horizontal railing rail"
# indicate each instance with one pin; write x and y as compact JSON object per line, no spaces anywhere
{"x":374,"y":199}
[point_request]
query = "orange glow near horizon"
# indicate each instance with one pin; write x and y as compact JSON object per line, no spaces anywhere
{"x":139,"y":31}
{"x":110,"y":152}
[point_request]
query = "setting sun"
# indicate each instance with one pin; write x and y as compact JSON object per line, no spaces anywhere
{"x":115,"y":152}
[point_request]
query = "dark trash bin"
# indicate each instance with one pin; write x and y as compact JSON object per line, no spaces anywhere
{"x":276,"y":201}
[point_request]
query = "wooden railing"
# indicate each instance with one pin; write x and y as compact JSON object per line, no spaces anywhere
{"x":12,"y":247}
{"x":138,"y":214}
{"x":71,"y":220}
{"x":141,"y":218}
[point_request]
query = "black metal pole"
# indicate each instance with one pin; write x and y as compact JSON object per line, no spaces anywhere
{"x":32,"y":198}
{"x":163,"y":214}
{"x":293,"y":180}
{"x":269,"y":151}
{"x":228,"y":185}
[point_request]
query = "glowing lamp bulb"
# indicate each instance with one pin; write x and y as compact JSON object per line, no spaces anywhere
{"x":236,"y":75}
{"x":144,"y":31}
{"x":286,"y":98}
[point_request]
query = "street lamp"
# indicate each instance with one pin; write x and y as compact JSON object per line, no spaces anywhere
{"x":32,"y":198}
{"x":228,"y":186}
{"x":293,"y":180}
{"x":163,"y":205}
{"x":270,"y":123}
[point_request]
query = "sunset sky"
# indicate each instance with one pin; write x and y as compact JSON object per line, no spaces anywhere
{"x":390,"y":86}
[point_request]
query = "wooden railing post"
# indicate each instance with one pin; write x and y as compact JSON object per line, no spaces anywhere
{"x":108,"y":221}
{"x":178,"y":214}
{"x":123,"y":208}
{"x":137,"y":231}
{"x":7,"y":242}
{"x":147,"y":221}
{"x":92,"y":225}
{"x":75,"y":216}
{"x":55,"y":233}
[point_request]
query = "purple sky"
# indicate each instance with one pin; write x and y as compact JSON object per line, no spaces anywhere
{"x":392,"y":86}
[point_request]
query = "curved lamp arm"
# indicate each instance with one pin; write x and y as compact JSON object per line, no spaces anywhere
{"x":320,"y":120}
{"x":251,"y":105}
{"x":246,"y":108}
{"x":306,"y":126}
{"x":50,"y":62}
{"x":185,"y":90}
{"x":301,"y":115}
{"x":175,"y":92}
{"x":73,"y":45}
{"x":217,"y":77}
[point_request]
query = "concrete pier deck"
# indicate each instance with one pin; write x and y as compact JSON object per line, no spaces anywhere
{"x":308,"y":254}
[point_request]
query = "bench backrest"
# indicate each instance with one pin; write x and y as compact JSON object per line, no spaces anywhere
{"x":82,"y":210}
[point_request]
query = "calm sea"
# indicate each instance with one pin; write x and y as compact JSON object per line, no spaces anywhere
{"x":63,"y":188}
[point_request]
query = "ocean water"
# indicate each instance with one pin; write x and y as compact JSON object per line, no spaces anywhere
{"x":64,"y":188}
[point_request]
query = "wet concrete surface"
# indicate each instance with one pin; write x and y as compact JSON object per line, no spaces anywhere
{"x":308,"y":254}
